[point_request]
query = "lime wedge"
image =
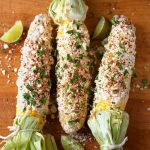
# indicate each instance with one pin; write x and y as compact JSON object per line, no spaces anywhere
{"x":102,"y":29}
{"x":69,"y":143}
{"x":13,"y":34}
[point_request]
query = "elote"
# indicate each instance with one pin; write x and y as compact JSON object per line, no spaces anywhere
{"x":108,"y":120}
{"x":33,"y":89}
{"x":73,"y":63}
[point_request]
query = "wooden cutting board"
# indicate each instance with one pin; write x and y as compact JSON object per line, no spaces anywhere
{"x":139,"y":103}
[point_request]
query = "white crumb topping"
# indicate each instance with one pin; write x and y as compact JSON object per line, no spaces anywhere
{"x":35,"y":67}
{"x":113,"y":83}
{"x":73,"y":75}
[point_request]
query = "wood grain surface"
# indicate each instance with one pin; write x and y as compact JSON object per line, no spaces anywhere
{"x":139,"y":103}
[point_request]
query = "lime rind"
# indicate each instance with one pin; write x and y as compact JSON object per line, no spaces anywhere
{"x":13,"y":34}
{"x":102,"y":29}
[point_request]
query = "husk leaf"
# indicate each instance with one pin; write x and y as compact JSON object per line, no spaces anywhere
{"x":28,"y":137}
{"x":61,"y":10}
{"x":109,"y":127}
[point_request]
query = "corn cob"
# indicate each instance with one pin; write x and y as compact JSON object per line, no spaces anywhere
{"x":108,"y":121}
{"x":33,"y":88}
{"x":73,"y":64}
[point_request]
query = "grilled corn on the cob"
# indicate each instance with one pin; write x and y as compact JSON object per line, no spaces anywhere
{"x":33,"y":87}
{"x":73,"y":65}
{"x":108,"y":121}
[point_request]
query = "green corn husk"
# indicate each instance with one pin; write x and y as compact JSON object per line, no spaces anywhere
{"x":61,"y":10}
{"x":69,"y":143}
{"x":109,"y":128}
{"x":29,"y":136}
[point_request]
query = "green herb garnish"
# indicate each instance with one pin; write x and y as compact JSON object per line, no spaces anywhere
{"x":69,"y":58}
{"x":26,"y":96}
{"x":30,"y":100}
{"x":126,"y":72}
{"x":144,"y":83}
{"x":120,"y":65}
{"x":40,"y":52}
{"x":34,"y":94}
{"x":122,"y":47}
{"x":43,"y":100}
{"x":119,"y":53}
{"x":75,"y":77}
{"x":77,"y":24}
{"x":70,"y":122}
{"x":77,"y":63}
{"x":29,"y":87}
{"x":78,"y":46}
{"x":74,"y":32}
{"x":114,"y":21}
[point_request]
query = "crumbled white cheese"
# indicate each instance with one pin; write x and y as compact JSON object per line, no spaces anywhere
{"x":5,"y":46}
{"x":10,"y":52}
{"x":4,"y":72}
{"x":15,"y":69}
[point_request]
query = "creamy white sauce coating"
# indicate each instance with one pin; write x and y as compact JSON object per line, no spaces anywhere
{"x":115,"y":72}
{"x":34,"y":74}
{"x":73,"y":75}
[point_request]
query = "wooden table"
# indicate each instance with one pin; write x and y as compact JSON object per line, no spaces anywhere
{"x":137,"y":10}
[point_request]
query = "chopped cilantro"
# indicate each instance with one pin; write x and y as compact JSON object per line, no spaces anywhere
{"x":120,"y":65}
{"x":30,"y":100}
{"x":36,"y":70}
{"x":34,"y":94}
{"x":80,"y":56}
{"x":29,"y":87}
{"x":122,"y":47}
{"x":26,"y":96}
{"x":144,"y":82}
{"x":119,"y":53}
{"x":78,"y":35}
{"x":113,"y":77}
{"x":67,"y":87}
{"x":114,"y":21}
{"x":70,"y":122}
{"x":43,"y":100}
{"x":75,"y":77}
{"x":40,"y":52}
{"x":78,"y":46}
{"x":69,"y":58}
{"x":38,"y":81}
{"x":42,"y":74}
{"x":77,"y":24}
{"x":74,"y":32}
{"x":77,"y":63}
{"x":126,"y":72}
{"x":41,"y":71}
